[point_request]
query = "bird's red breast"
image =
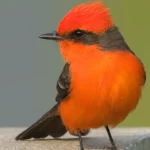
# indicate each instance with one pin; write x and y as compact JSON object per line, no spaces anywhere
{"x":105,"y":87}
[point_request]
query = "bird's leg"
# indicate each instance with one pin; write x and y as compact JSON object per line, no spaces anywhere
{"x":111,"y":139}
{"x":80,"y":140}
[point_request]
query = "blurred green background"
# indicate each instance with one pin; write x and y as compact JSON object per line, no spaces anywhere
{"x":29,"y":67}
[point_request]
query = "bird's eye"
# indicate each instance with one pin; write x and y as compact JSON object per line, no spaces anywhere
{"x":78,"y":33}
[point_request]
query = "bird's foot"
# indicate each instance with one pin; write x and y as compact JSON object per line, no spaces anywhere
{"x":114,"y":147}
{"x":81,"y":148}
{"x":111,"y":148}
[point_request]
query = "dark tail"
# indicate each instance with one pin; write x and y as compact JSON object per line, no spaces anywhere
{"x":49,"y":124}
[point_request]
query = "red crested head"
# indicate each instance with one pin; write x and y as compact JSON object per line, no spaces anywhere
{"x":91,"y":16}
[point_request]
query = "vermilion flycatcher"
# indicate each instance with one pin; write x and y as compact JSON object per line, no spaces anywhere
{"x":101,"y":82}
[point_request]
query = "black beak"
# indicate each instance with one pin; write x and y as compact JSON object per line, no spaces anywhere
{"x":51,"y":36}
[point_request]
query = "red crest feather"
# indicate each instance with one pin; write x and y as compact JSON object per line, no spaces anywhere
{"x":92,"y":16}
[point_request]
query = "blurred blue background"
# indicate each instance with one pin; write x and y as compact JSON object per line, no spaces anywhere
{"x":29,"y":67}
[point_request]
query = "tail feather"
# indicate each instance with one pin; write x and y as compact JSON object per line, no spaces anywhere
{"x":49,"y":124}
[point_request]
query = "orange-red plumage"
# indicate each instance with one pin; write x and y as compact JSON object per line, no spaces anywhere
{"x":105,"y":85}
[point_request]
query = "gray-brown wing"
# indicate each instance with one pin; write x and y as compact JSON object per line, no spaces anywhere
{"x":50,"y":123}
{"x":63,"y":84}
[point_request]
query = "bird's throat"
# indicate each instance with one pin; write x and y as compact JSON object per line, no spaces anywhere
{"x":77,"y":51}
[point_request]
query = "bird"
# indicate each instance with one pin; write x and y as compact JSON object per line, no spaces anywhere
{"x":102,"y":79}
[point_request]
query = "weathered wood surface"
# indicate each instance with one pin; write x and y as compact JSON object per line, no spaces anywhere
{"x":125,"y":138}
